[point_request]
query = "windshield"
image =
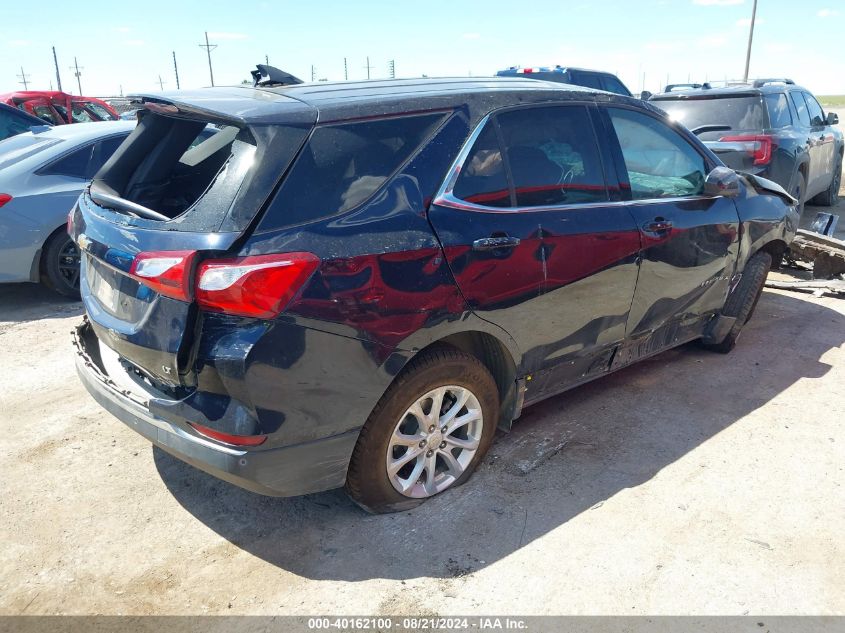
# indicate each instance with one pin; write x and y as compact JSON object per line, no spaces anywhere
{"x":737,"y":113}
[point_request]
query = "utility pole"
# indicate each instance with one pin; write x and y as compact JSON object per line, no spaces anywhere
{"x":750,"y":39}
{"x":160,"y":83}
{"x":345,"y":70}
{"x":391,"y":68}
{"x":23,"y":77}
{"x":56,"y":62}
{"x":208,"y":48}
{"x":267,"y":59}
{"x":77,"y":73}
{"x":176,"y":70}
{"x":368,"y":67}
{"x":313,"y":73}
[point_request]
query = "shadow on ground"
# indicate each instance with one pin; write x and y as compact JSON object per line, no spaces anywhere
{"x":565,"y":456}
{"x":29,"y":302}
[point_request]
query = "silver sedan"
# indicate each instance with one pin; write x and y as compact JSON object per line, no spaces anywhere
{"x":41,"y":176}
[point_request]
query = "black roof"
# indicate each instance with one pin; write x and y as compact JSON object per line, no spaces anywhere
{"x":328,"y":101}
{"x":757,"y":87}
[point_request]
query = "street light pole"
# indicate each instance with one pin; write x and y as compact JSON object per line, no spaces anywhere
{"x":750,"y":39}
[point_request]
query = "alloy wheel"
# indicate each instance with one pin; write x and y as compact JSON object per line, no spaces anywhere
{"x":434,"y":441}
{"x":68,"y":263}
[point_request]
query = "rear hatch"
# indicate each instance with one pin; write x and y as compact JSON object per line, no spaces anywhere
{"x":186,"y":185}
{"x":731,"y":125}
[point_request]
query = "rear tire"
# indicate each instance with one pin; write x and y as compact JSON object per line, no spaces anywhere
{"x":830,"y":196}
{"x":799,"y":191}
{"x":742,"y":302}
{"x":403,"y":456}
{"x":60,"y":265}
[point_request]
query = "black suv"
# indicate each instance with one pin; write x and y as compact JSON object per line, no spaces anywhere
{"x":771,"y":128}
{"x":596,"y":79}
{"x":357,"y":283}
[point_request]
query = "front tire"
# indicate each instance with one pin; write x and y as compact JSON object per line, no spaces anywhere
{"x":743,"y":300}
{"x":60,"y":265}
{"x":427,"y":434}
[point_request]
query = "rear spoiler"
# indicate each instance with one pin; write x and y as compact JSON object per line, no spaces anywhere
{"x":238,"y":106}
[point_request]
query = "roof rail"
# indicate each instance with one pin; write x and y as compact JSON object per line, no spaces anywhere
{"x":671,"y":87}
{"x":759,"y":83}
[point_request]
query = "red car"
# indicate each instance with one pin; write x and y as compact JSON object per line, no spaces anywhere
{"x":59,"y":107}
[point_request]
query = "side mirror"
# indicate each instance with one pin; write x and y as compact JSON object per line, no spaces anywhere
{"x":832,"y":118}
{"x":722,"y":181}
{"x":645,"y":95}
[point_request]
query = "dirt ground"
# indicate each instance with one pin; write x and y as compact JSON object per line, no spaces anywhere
{"x":692,"y":483}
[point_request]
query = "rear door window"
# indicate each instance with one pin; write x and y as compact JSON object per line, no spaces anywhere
{"x":778,"y":108}
{"x":814,"y":110}
{"x":342,"y":165}
{"x":612,"y":84}
{"x":553,"y":156}
{"x":86,"y":161}
{"x":800,"y":107}
{"x":588,"y":80}
{"x":483,"y":179}
{"x":660,"y":162}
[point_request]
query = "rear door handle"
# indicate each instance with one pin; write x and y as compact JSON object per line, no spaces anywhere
{"x":657,"y":225}
{"x":495,"y":243}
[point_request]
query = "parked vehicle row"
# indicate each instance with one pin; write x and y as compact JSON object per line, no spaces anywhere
{"x":770,"y":127}
{"x":58,"y":108}
{"x":356,"y":284}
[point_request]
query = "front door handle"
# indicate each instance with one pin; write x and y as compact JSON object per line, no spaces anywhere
{"x":657,"y":225}
{"x":495,"y":243}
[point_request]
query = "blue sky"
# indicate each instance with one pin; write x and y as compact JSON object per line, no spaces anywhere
{"x":129,"y":44}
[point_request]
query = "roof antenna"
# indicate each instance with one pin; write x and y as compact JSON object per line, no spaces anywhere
{"x":264,"y":76}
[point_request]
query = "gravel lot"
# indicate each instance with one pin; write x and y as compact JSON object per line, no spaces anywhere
{"x":690,"y":483}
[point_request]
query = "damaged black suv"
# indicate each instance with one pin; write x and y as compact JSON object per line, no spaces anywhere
{"x":356,"y":284}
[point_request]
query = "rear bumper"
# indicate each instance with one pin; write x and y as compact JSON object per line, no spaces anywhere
{"x":281,"y":472}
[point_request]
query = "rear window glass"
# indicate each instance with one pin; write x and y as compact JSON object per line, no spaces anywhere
{"x":85,"y":161}
{"x":778,"y":111}
{"x":483,"y":180}
{"x":342,"y":165}
{"x":801,"y":107}
{"x":737,"y":113}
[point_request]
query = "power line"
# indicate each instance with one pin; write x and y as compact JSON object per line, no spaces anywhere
{"x":176,"y":70}
{"x":208,"y":48}
{"x":23,"y":81}
{"x":77,"y":73}
{"x":750,"y":39}
{"x":56,"y":62}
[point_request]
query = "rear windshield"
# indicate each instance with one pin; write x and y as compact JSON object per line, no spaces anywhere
{"x":343,"y":165}
{"x":737,"y":113}
{"x":169,"y":166}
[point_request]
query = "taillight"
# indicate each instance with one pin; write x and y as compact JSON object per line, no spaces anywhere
{"x":255,"y":286}
{"x":166,"y":272}
{"x":758,"y":146}
{"x":4,"y":198}
{"x":228,"y":438}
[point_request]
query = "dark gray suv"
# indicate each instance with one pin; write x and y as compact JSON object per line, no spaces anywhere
{"x":771,"y":128}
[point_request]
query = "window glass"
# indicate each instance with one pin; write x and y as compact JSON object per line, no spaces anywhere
{"x":44,"y":112}
{"x":660,"y":162}
{"x":553,"y":156}
{"x":12,"y":124}
{"x":801,"y":107}
{"x":612,"y":84}
{"x":778,"y":111}
{"x":588,"y":80}
{"x":343,"y":165}
{"x":482,"y":179}
{"x":100,"y":111}
{"x":736,"y":113}
{"x":815,"y":110}
{"x":80,"y":114}
{"x":74,"y":164}
{"x":102,"y":152}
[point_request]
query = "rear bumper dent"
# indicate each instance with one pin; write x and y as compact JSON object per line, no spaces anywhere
{"x":281,"y":472}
